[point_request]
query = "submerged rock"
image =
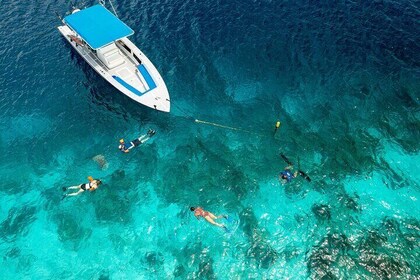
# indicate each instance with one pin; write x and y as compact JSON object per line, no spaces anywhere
{"x":390,"y":225}
{"x":349,"y":202}
{"x":101,"y":161}
{"x":69,"y":229}
{"x":104,"y":275}
{"x":364,"y":90}
{"x":118,"y":174}
{"x":12,"y":253}
{"x":339,"y":241}
{"x":179,"y":271}
{"x":154,"y":259}
{"x":299,"y":218}
{"x":259,"y":249}
{"x":290,"y":253}
{"x":383,"y":266}
{"x":322,"y":211}
{"x":325,"y":259}
{"x":372,"y":240}
{"x":205,"y":269}
{"x":17,"y":222}
{"x":113,"y":208}
{"x":404,"y":96}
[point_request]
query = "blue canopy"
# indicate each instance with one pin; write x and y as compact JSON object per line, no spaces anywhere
{"x":98,"y":26}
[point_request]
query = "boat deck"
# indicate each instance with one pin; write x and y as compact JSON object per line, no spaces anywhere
{"x":127,"y":71}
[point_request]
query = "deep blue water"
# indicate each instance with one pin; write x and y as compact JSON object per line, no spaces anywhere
{"x":341,"y":76}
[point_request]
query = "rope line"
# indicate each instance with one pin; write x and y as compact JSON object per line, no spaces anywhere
{"x":222,"y":126}
{"x":113,"y":8}
{"x":188,"y":115}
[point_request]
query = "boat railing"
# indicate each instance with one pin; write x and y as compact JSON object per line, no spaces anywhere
{"x":129,"y":51}
{"x":136,"y":58}
{"x":95,"y":58}
{"x":125,"y":46}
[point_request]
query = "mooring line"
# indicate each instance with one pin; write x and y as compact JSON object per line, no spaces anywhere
{"x":221,"y":125}
{"x":188,"y":115}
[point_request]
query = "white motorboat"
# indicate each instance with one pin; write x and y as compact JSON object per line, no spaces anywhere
{"x":101,"y":39}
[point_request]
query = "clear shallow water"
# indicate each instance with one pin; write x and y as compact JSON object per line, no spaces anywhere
{"x":342,"y":77}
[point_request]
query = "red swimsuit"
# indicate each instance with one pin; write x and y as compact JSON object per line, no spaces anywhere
{"x":200,"y":212}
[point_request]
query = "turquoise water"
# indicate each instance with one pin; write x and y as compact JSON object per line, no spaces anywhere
{"x":343,"y":79}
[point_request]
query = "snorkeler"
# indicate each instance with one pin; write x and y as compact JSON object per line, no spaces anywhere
{"x":91,"y":186}
{"x":210,"y":217}
{"x":137,"y":142}
{"x":286,"y":175}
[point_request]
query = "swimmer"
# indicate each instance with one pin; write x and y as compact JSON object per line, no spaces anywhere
{"x":210,"y":217}
{"x":91,"y":186}
{"x":286,"y":175}
{"x":123,"y":147}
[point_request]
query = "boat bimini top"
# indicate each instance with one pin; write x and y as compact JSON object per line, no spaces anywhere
{"x":97,"y":26}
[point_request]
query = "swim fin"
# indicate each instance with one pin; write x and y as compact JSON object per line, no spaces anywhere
{"x":151,"y":132}
{"x":303,"y":174}
{"x":226,"y":229}
{"x":228,"y":218}
{"x":286,"y":159}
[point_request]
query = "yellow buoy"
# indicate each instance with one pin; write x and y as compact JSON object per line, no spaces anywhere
{"x":277,"y":124}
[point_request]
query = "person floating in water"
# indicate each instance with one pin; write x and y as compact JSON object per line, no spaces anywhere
{"x":287,"y":174}
{"x":123,"y":147}
{"x":91,"y":186}
{"x":208,"y":216}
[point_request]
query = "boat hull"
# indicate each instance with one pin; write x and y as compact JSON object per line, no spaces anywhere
{"x":156,"y":97}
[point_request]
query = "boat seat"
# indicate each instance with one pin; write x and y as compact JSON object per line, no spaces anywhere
{"x":111,"y":56}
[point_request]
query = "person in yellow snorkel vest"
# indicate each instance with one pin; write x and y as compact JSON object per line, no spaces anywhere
{"x":91,"y":186}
